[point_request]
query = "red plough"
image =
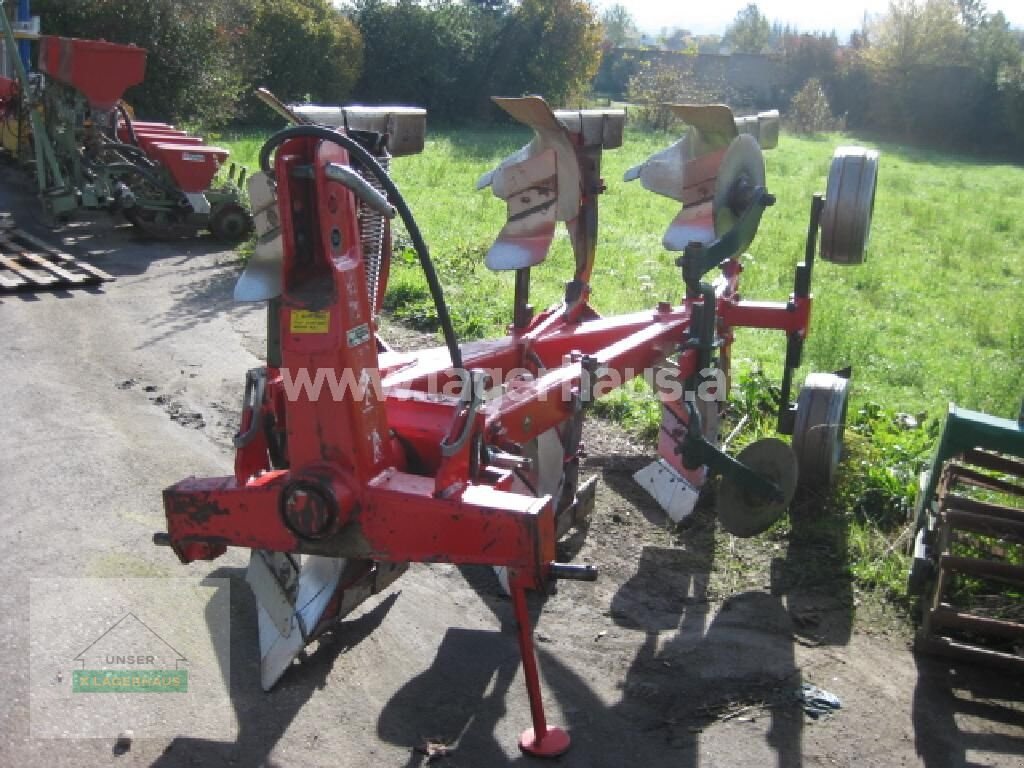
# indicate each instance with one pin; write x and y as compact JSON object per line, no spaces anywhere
{"x":470,"y":453}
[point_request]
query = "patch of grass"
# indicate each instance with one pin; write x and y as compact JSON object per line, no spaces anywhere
{"x":634,"y":406}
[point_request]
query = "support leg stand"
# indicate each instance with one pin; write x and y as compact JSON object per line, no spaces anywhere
{"x":540,"y":740}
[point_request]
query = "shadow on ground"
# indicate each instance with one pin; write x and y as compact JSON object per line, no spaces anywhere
{"x":951,"y":699}
{"x":695,"y":665}
{"x":264,"y":717}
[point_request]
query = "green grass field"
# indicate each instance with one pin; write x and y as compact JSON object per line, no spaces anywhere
{"x":935,"y":314}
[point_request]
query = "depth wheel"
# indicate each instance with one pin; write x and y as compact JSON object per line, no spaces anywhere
{"x":819,"y":428}
{"x":849,"y":204}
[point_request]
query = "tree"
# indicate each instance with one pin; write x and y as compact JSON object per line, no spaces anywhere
{"x":749,"y":31}
{"x":994,"y":45}
{"x":558,"y":45}
{"x":680,"y":40}
{"x":1010,"y":83}
{"x":205,"y":55}
{"x":652,"y":88}
{"x":304,"y":49}
{"x":913,"y":35}
{"x":809,"y":112}
{"x":810,"y":56}
{"x":192,"y":67}
{"x":619,"y":26}
{"x":971,"y":13}
{"x":433,"y":56}
{"x":450,"y":56}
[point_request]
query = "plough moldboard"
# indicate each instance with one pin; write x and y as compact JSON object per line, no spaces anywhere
{"x":470,"y":453}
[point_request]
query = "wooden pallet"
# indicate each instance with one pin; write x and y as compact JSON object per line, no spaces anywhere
{"x":30,"y":264}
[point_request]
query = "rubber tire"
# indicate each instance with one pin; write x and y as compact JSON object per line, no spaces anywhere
{"x":231,"y":223}
{"x":849,"y":205}
{"x":819,"y":427}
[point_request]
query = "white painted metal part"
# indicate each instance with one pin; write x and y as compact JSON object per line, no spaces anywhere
{"x":261,"y":279}
{"x":549,"y":134}
{"x":289,"y":612}
{"x":764,"y":127}
{"x":536,"y":197}
{"x":406,"y":126}
{"x":530,"y":190}
{"x":673,"y":492}
{"x":198,"y":202}
{"x":602,"y":127}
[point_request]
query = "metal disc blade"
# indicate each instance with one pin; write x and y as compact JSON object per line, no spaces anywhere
{"x":742,"y":162}
{"x":742,"y":513}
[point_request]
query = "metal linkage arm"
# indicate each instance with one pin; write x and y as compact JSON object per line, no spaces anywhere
{"x":696,"y":451}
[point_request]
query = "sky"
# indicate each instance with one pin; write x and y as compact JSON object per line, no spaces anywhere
{"x":712,"y":16}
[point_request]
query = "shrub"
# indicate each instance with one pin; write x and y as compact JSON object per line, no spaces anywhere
{"x":809,"y":111}
{"x":652,"y":88}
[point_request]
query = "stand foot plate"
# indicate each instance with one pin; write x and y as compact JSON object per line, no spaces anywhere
{"x":555,"y":742}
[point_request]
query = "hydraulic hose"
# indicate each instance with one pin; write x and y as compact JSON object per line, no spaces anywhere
{"x":137,"y":154}
{"x":128,"y":123}
{"x":395,"y":198}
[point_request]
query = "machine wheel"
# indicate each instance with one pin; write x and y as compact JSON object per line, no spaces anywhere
{"x":849,"y":203}
{"x":819,"y":427}
{"x":231,"y":223}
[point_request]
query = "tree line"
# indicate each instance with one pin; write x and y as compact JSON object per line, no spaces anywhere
{"x":207,"y":56}
{"x":945,"y":72}
{"x":940,"y":71}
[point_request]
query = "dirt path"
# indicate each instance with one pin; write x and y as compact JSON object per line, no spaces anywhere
{"x":683,"y":654}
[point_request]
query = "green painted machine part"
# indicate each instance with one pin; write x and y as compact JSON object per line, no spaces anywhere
{"x":968,"y":548}
{"x":80,"y":161}
{"x":964,"y":431}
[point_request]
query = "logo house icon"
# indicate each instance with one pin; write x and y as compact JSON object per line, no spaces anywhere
{"x":130,"y":657}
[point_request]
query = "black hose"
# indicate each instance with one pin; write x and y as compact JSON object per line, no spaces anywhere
{"x":395,"y":198}
{"x":128,"y":123}
{"x":148,"y":175}
{"x":129,"y":149}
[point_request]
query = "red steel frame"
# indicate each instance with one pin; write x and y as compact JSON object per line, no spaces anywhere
{"x":355,"y":453}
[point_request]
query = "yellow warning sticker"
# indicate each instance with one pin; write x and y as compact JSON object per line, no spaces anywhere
{"x":304,"y":321}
